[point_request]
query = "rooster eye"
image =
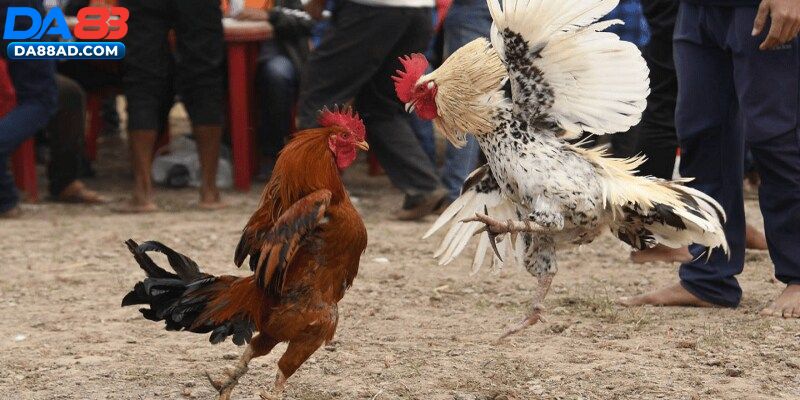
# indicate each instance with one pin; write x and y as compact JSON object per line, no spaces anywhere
{"x":430,"y":85}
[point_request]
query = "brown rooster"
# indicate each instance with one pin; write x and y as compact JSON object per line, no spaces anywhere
{"x":304,"y":243}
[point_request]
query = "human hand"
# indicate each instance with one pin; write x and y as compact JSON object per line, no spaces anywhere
{"x":785,"y":22}
{"x":252,"y":14}
{"x":314,"y":8}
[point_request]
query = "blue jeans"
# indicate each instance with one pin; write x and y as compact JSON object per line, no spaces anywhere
{"x":34,"y":82}
{"x":424,"y":132}
{"x":466,"y":21}
{"x":755,"y":101}
{"x":278,"y":82}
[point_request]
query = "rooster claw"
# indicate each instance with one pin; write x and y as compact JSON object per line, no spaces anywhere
{"x":533,"y":318}
{"x":224,"y":388}
{"x":215,"y":383}
{"x":270,"y":395}
{"x":493,"y":242}
{"x":492,"y":227}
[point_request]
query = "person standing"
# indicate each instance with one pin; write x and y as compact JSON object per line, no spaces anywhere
{"x":354,"y":62}
{"x":147,"y":84}
{"x":738,"y":70}
{"x":655,"y":135}
{"x":466,"y":21}
{"x":28,"y":89}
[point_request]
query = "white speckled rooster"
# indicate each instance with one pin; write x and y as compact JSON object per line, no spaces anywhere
{"x":566,"y":76}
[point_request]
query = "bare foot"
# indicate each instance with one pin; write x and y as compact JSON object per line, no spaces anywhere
{"x":672,"y":295}
{"x":754,"y":238}
{"x":12,"y":213}
{"x":211,"y":200}
{"x":77,"y":192}
{"x":661,"y":253}
{"x":787,"y":305}
{"x":136,"y":207}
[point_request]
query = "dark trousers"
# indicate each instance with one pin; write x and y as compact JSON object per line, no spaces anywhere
{"x":65,"y":135}
{"x":198,"y":64}
{"x":655,"y":134}
{"x":8,"y":190}
{"x":277,"y":83}
{"x":729,"y":93}
{"x":356,"y":60}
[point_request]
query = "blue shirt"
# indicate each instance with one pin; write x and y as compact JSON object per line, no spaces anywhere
{"x":34,"y":82}
{"x":635,"y":29}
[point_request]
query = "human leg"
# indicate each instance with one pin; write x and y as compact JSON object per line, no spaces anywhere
{"x":770,"y":119}
{"x":146,"y":84}
{"x":465,"y":22}
{"x":712,"y":150}
{"x":388,"y":129}
{"x":201,"y":49}
{"x":277,"y":80}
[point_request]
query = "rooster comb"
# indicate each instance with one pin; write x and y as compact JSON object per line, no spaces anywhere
{"x":344,"y":118}
{"x":413,"y":68}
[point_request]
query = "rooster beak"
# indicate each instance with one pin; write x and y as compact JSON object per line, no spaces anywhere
{"x":409,"y":107}
{"x":363,"y":145}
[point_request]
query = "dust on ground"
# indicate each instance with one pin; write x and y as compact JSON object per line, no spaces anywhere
{"x":408,"y":329}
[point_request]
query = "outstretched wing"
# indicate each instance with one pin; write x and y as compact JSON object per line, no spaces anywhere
{"x":564,"y":70}
{"x":480,"y":194}
{"x":271,"y":246}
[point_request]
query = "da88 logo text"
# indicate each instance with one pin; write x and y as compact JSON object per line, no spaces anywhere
{"x":94,"y":23}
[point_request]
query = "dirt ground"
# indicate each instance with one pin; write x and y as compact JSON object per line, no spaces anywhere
{"x":408,"y":328}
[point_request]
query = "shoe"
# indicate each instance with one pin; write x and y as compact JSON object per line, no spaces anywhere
{"x":418,"y":206}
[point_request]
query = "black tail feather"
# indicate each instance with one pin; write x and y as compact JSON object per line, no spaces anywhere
{"x":180,"y":299}
{"x":146,"y":263}
{"x":186,"y":268}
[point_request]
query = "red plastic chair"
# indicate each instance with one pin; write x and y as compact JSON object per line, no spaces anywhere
{"x":23,"y":161}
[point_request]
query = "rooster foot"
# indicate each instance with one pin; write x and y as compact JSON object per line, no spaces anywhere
{"x":277,"y":391}
{"x":494,"y":228}
{"x":225,"y":386}
{"x":497,"y":227}
{"x":271,"y":395}
{"x":533,"y":317}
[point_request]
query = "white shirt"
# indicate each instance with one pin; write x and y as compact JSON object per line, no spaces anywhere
{"x":396,"y":3}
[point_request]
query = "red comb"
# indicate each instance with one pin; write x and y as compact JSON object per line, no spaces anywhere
{"x":345,"y":118}
{"x":414,"y":66}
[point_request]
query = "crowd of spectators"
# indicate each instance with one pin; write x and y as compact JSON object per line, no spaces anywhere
{"x":175,"y":49}
{"x":740,"y":53}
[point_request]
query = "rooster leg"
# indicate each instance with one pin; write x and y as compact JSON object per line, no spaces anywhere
{"x":537,"y":308}
{"x":540,"y":261}
{"x":225,"y":385}
{"x":495,"y":228}
{"x":277,"y":391}
{"x":260,"y":345}
{"x":296,"y":354}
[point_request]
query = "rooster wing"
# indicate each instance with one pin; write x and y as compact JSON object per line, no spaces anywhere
{"x":272,"y":245}
{"x":564,"y":71}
